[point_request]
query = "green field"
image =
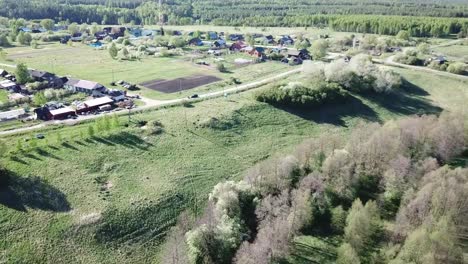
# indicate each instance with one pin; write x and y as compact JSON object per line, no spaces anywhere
{"x":3,"y":96}
{"x":454,"y":52}
{"x":111,"y":198}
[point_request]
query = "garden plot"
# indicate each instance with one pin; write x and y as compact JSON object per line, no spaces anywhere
{"x":180,"y":84}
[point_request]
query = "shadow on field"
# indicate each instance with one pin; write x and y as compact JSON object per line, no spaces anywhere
{"x":45,"y":153}
{"x":143,"y":222}
{"x":21,"y":193}
{"x":408,"y":101}
{"x":335,"y":113}
{"x":125,"y":139}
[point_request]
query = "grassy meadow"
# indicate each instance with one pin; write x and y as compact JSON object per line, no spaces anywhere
{"x":457,"y":52}
{"x":112,"y":197}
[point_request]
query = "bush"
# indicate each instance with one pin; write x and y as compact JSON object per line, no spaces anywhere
{"x":126,"y":42}
{"x":177,"y":41}
{"x":154,"y":127}
{"x":408,"y":60}
{"x":220,"y":67}
{"x":437,"y":66}
{"x":456,"y":68}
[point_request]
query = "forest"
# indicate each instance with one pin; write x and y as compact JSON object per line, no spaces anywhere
{"x":359,"y":15}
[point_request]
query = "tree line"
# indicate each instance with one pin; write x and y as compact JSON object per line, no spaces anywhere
{"x":237,"y":13}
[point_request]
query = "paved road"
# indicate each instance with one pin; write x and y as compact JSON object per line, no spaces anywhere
{"x":154,"y":104}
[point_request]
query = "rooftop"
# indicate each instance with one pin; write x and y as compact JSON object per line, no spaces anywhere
{"x":63,"y":110}
{"x":39,"y":74}
{"x":7,"y":84}
{"x":98,"y":101}
{"x":84,"y":84}
{"x":12,"y":114}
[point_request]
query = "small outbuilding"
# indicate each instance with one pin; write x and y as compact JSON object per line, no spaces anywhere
{"x":195,"y":42}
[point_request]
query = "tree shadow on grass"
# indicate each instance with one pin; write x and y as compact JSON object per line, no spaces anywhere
{"x":31,"y":156}
{"x":409,"y":100}
{"x":45,"y":153}
{"x":69,"y":146}
{"x":336,"y":113}
{"x":15,"y":158}
{"x":128,"y":140}
{"x":21,"y":193}
{"x":145,"y":221}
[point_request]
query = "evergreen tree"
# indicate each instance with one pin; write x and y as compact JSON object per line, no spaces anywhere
{"x":113,"y":51}
{"x":22,"y":73}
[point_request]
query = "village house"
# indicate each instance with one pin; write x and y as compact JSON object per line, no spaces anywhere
{"x":3,"y":73}
{"x":16,"y":97}
{"x":303,"y":54}
{"x":215,"y":52}
{"x":50,"y":78}
{"x":115,"y":32}
{"x":219,"y":44}
{"x":89,"y":87}
{"x":54,"y":111}
{"x":238,"y":46}
{"x":258,"y":52}
{"x":269,"y":40}
{"x":212,"y":35}
{"x":236,"y":37}
{"x":9,"y":85}
{"x":195,"y":42}
{"x":438,"y":59}
{"x":94,"y":104}
{"x":13,"y":114}
{"x":117,"y":95}
{"x":285,"y":40}
{"x":61,"y":113}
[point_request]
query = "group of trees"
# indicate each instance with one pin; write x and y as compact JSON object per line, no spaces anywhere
{"x":326,"y":83}
{"x":394,"y":172}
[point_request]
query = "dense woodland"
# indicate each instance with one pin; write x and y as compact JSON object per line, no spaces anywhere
{"x":361,"y":15}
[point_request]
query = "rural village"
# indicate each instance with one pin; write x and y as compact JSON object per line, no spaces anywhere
{"x":234,"y":132}
{"x":251,"y":47}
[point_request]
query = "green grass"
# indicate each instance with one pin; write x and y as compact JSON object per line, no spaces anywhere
{"x":111,"y":199}
{"x":3,"y":96}
{"x":454,"y":52}
{"x":310,"y":249}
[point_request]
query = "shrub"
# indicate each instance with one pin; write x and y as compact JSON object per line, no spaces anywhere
{"x":177,"y":41}
{"x":220,"y":67}
{"x":456,"y":68}
{"x":126,"y":42}
{"x":437,"y":66}
{"x":154,"y":127}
